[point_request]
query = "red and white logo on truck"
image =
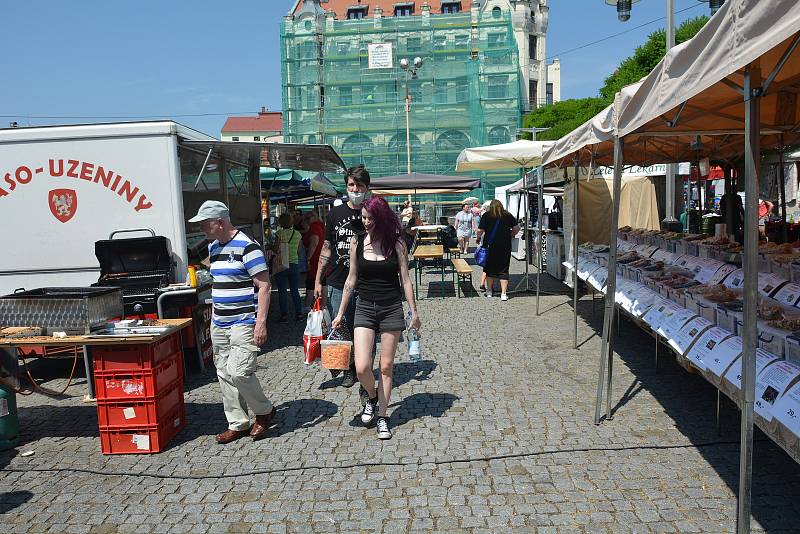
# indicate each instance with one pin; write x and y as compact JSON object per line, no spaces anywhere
{"x":63,"y":203}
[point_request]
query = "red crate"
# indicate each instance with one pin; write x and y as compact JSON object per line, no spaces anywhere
{"x":144,"y":439}
{"x":122,"y":385}
{"x":134,"y":357}
{"x":140,"y":412}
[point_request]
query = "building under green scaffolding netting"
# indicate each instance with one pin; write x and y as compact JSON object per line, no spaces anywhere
{"x":467,"y":92}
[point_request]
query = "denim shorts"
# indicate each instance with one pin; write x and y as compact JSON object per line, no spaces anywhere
{"x":379,"y":317}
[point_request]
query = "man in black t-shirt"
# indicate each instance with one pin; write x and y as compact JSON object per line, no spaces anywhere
{"x":343,"y":222}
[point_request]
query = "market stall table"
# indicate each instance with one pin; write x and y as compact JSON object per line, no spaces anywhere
{"x":427,"y":252}
{"x":9,"y":343}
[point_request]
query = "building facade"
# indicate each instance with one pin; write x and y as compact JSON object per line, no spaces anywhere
{"x":267,"y":126}
{"x":343,"y":84}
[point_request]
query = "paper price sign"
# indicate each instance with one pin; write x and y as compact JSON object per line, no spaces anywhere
{"x":644,"y":300}
{"x":768,"y":283}
{"x":669,"y":328}
{"x":624,"y":245}
{"x":655,"y":314}
{"x":660,"y":255}
{"x":735,"y":280}
{"x":724,"y":270}
{"x":734,"y":374}
{"x":705,"y":271}
{"x":648,"y":252}
{"x":688,"y":333}
{"x":788,"y":294}
{"x":701,"y":351}
{"x":770,"y":384}
{"x":723,"y":354}
{"x":787,"y":409}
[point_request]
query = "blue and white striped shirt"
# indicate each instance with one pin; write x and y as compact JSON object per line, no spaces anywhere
{"x":233,"y":266}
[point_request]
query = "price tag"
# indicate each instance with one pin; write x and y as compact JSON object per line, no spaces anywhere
{"x":688,"y":333}
{"x":643,"y":301}
{"x":734,"y":374}
{"x":722,"y":273}
{"x":735,"y":280}
{"x":624,"y":245}
{"x":661,"y":255}
{"x":674,"y":322}
{"x":655,"y":314}
{"x":770,"y":384}
{"x":701,"y":351}
{"x":788,"y":294}
{"x":769,"y":282}
{"x":648,"y":252}
{"x":787,"y":409}
{"x":706,"y":270}
{"x":723,"y":354}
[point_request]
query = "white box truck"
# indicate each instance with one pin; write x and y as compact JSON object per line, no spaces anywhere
{"x":64,"y":187}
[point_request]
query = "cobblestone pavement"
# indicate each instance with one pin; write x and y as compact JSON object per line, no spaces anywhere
{"x":493,"y":433}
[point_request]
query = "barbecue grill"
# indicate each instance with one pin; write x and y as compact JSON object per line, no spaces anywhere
{"x":140,"y":266}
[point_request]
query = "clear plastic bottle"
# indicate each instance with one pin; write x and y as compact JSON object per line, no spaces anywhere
{"x":414,"y":347}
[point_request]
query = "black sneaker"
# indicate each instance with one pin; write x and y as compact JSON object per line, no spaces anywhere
{"x":363,"y":396}
{"x":349,"y":378}
{"x":370,"y":411}
{"x":383,"y":428}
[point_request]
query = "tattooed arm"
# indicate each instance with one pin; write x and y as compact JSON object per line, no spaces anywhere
{"x":325,"y":256}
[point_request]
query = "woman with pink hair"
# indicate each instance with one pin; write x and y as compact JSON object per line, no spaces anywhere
{"x":378,"y":268}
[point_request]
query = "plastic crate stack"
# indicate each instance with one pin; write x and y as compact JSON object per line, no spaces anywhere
{"x":139,"y":392}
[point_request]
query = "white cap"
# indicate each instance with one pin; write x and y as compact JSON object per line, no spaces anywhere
{"x":211,"y":209}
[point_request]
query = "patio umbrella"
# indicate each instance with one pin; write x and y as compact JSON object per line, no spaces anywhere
{"x":470,"y":200}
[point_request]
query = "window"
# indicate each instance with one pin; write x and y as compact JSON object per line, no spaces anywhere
{"x":234,"y":138}
{"x":345,"y":96}
{"x":413,"y":44}
{"x":238,"y":180}
{"x":532,"y":42}
{"x":191,"y":163}
{"x":451,"y":7}
{"x":548,"y":96}
{"x":533,"y":91}
{"x":462,"y":40}
{"x":356,"y":12}
{"x":256,"y":138}
{"x":404,"y":10}
{"x":439,"y":42}
{"x":311,"y":98}
{"x":496,"y":12}
{"x":308,"y":50}
{"x":496,"y":40}
{"x":498,"y":87}
{"x":462,"y":91}
{"x":356,"y":144}
{"x":499,"y":135}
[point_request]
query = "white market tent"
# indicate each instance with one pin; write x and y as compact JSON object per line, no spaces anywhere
{"x":733,"y":87}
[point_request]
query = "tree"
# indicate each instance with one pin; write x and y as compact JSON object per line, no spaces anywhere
{"x":563,"y":117}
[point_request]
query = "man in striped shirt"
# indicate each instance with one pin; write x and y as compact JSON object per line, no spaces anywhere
{"x":239,"y":321}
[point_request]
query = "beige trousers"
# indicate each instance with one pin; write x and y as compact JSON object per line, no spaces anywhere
{"x":235,"y":354}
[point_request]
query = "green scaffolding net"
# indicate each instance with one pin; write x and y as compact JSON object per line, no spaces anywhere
{"x":467,"y":92}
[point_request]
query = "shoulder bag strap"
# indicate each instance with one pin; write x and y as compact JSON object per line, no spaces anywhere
{"x":492,"y":233}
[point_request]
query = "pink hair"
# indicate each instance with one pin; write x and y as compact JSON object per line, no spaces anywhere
{"x":387,"y":226}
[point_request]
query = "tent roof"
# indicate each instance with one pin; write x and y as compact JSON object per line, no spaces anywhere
{"x":697,"y":87}
{"x":418,"y":183}
{"x":519,"y":154}
{"x":284,"y":181}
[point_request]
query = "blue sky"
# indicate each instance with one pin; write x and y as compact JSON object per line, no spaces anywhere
{"x":93,"y":61}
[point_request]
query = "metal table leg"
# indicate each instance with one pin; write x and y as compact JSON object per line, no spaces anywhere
{"x":87,"y":362}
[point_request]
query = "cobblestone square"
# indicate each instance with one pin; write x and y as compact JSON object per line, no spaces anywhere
{"x":493,"y":433}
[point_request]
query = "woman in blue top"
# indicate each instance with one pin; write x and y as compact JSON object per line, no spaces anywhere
{"x":378,"y":268}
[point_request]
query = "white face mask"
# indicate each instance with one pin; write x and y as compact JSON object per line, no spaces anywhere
{"x":357,"y":198}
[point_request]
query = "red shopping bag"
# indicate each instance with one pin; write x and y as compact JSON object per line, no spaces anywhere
{"x":317,"y":326}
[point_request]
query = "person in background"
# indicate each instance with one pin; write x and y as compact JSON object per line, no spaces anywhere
{"x":449,"y":234}
{"x":379,"y":269}
{"x":476,"y":217}
{"x":312,"y":241}
{"x":503,"y":225}
{"x":342,"y":224}
{"x":464,"y":228}
{"x":407,"y":213}
{"x":240,"y":296}
{"x":288,"y":278}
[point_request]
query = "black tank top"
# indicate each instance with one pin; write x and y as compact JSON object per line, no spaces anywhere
{"x":378,"y":280}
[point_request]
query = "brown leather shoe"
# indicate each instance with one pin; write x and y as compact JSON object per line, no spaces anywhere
{"x":231,"y":435}
{"x":261,"y":425}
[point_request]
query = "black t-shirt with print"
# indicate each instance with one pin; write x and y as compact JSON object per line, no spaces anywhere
{"x":343,"y":222}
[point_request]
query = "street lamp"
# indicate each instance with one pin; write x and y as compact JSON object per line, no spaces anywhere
{"x":714,"y":5}
{"x":412,"y":71}
{"x":623,"y":8}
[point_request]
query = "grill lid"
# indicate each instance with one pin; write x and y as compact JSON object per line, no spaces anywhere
{"x":133,"y":255}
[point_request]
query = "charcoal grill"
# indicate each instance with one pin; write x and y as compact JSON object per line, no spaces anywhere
{"x":140,"y":266}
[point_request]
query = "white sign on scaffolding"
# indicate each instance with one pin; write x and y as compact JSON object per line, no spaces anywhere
{"x":379,"y":55}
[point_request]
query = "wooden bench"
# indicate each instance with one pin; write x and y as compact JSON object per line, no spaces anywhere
{"x":454,"y":252}
{"x":461,"y":273}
